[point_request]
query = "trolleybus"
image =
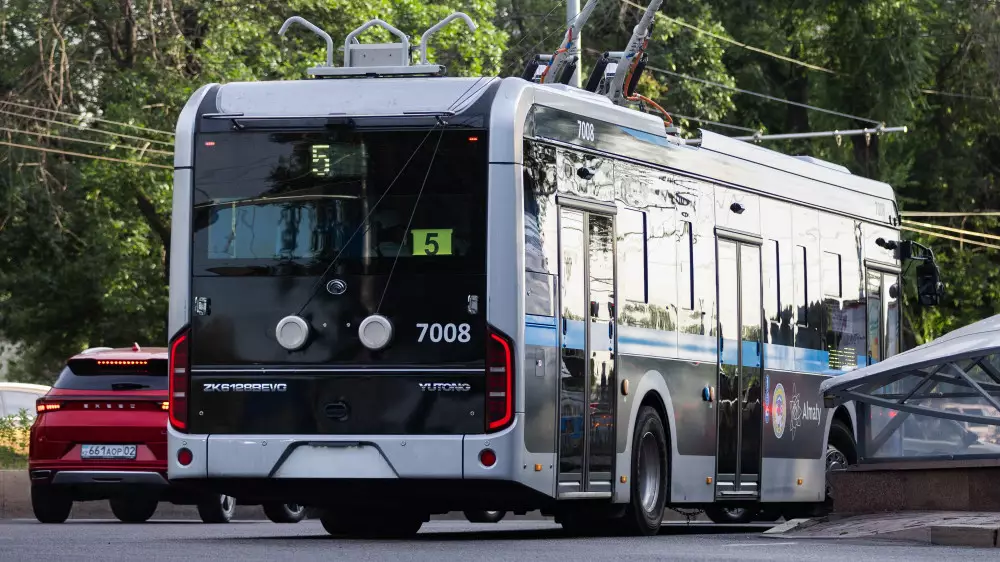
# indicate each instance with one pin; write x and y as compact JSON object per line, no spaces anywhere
{"x":395,"y":294}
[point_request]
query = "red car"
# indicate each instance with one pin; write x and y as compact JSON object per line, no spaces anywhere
{"x":101,"y":434}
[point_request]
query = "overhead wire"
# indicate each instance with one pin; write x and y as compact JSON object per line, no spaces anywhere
{"x":87,"y":141}
{"x":731,"y":41}
{"x":71,"y":114}
{"x":921,"y":214}
{"x":760,"y":95}
{"x":952,"y":229}
{"x":82,"y":155}
{"x":949,"y":237}
{"x":78,"y":127}
{"x":714,"y":123}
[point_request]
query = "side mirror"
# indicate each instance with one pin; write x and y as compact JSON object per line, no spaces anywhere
{"x":930,"y":289}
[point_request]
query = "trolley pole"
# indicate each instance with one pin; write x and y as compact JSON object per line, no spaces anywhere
{"x":572,"y":11}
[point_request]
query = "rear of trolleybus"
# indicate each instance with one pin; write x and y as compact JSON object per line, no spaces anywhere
{"x":329,"y":341}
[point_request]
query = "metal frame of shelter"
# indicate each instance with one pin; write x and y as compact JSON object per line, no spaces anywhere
{"x":962,"y":365}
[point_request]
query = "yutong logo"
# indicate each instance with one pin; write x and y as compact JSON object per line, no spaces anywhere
{"x":245,"y":387}
{"x":444,"y":386}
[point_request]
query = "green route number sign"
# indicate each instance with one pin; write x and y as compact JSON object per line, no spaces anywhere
{"x":432,"y":242}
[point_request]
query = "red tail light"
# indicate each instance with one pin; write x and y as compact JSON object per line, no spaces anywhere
{"x":43,"y":405}
{"x":499,"y":381}
{"x":179,"y":372}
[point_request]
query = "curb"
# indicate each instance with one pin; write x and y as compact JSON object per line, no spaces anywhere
{"x":982,"y":536}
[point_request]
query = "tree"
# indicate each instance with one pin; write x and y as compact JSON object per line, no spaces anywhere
{"x":83,"y":241}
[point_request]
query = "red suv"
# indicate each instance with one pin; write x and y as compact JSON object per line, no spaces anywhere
{"x":101,"y":434}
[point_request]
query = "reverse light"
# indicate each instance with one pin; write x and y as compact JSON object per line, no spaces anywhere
{"x":499,"y":381}
{"x":165,"y":405}
{"x":179,"y":373}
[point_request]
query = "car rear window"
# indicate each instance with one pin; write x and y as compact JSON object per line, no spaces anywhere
{"x":92,"y":374}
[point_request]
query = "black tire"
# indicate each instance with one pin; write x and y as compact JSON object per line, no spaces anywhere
{"x":841,"y":452}
{"x":284,"y":512}
{"x":133,"y":510}
{"x":217,"y":508}
{"x":644,"y":513}
{"x":484,"y":516}
{"x":732,"y":515}
{"x":769,"y":514}
{"x":50,"y":505}
{"x":372,"y":526}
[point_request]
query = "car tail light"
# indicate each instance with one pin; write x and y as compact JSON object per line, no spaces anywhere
{"x":42,"y":405}
{"x":179,"y":371}
{"x":487,"y":457}
{"x":185,"y":456}
{"x":499,"y":381}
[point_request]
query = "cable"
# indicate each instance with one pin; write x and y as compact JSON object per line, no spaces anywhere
{"x":919,"y":214}
{"x":948,"y":237}
{"x":101,"y":131}
{"x":110,"y":122}
{"x":952,"y":229}
{"x":98,"y":143}
{"x":409,"y":223}
{"x":92,"y":156}
{"x":364,"y":221}
{"x":716,"y":123}
{"x":765,"y":96}
{"x":956,"y":95}
{"x":735,"y":42}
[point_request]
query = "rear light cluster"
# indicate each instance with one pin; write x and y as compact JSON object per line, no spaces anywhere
{"x":499,"y":381}
{"x":43,"y":406}
{"x":179,"y":372}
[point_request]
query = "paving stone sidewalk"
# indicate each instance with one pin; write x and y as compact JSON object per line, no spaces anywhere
{"x":933,"y":527}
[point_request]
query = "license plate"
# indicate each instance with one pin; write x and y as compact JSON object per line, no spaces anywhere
{"x":108,"y":452}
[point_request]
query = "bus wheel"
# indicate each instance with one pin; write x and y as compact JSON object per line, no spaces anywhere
{"x":284,"y":512}
{"x":644,"y":513}
{"x":484,"y":516}
{"x":731,"y":515}
{"x":841,"y":452}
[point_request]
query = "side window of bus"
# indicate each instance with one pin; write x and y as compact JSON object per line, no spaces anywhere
{"x":779,"y":277}
{"x":695,"y":206}
{"x":808,"y":289}
{"x":541,"y":252}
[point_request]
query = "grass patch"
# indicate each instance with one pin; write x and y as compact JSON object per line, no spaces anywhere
{"x":12,"y":460}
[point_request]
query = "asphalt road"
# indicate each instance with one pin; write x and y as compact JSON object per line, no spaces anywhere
{"x":439,"y":540}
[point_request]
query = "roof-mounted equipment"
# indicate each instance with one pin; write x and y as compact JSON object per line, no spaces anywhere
{"x":560,"y":67}
{"x":617,"y":73}
{"x":377,"y":59}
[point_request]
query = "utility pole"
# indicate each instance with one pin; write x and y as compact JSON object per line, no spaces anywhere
{"x":572,"y":11}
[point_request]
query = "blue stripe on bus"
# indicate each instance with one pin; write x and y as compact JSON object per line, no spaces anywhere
{"x":543,"y":331}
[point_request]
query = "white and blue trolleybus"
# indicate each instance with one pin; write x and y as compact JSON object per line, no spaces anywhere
{"x":395,"y":294}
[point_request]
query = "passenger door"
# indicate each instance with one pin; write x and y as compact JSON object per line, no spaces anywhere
{"x":587,"y":352}
{"x":740,"y":412}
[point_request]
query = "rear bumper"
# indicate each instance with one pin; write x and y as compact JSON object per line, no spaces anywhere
{"x":346,"y":457}
{"x":103,"y":477}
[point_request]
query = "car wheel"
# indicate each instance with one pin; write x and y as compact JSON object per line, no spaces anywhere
{"x":50,"y":505}
{"x":129,"y":510}
{"x":217,"y":508}
{"x":644,"y":513}
{"x":284,"y":512}
{"x":484,"y":516}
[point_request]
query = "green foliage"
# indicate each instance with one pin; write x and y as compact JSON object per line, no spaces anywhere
{"x":14,"y":438}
